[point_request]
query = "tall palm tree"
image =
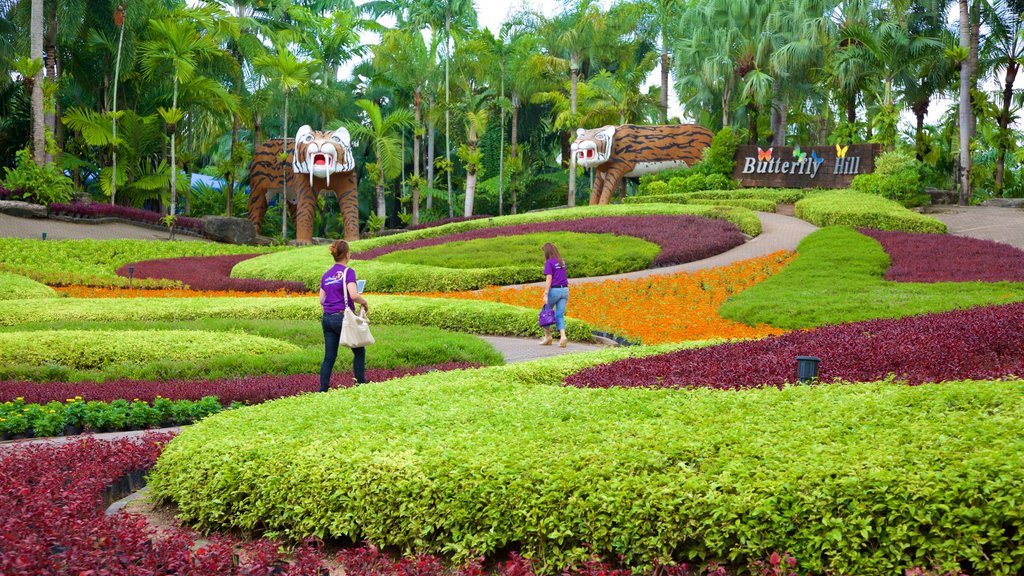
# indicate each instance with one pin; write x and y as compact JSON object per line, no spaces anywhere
{"x":660,"y":19}
{"x":384,"y":136}
{"x":1003,"y":48}
{"x":290,"y":74}
{"x":177,"y":46}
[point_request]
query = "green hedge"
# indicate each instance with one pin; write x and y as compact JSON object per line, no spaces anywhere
{"x":474,"y":317}
{"x":865,"y":479}
{"x":757,"y":199}
{"x":838,"y":277}
{"x":93,"y":262}
{"x":85,"y":349}
{"x":16,"y":287}
{"x":849,"y":208}
{"x":397,"y":347}
{"x":308,"y":264}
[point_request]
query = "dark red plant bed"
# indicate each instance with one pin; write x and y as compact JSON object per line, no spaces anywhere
{"x":101,"y":210}
{"x":979,"y":343}
{"x":681,"y":238}
{"x":944,"y":258}
{"x":250,"y":389}
{"x":208,"y":273}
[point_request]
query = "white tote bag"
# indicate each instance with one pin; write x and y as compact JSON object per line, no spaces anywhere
{"x":355,"y":328}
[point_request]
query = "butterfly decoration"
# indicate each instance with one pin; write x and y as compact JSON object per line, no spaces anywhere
{"x":764,"y":154}
{"x":799,"y":154}
{"x":817,"y":159}
{"x":841,"y":150}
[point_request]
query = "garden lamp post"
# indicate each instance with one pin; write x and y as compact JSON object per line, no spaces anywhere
{"x":807,"y":369}
{"x":131,"y":274}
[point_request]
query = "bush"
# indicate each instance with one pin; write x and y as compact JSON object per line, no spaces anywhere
{"x":897,"y":176}
{"x":15,"y":287}
{"x":837,"y":278}
{"x":40,"y":184}
{"x":720,"y":157}
{"x":849,"y":208}
{"x":639,"y":475}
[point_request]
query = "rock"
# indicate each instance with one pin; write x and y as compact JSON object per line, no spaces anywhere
{"x":1004,"y":202}
{"x":22,"y":209}
{"x":942,"y":196}
{"x":230,"y":230}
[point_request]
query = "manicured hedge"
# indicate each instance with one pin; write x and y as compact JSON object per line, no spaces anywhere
{"x":870,"y":479}
{"x":748,"y":203}
{"x":85,"y":349}
{"x":849,"y":208}
{"x":464,"y":316}
{"x":962,"y":259}
{"x":15,"y":287}
{"x":983,"y":343}
{"x":206,"y":273}
{"x":92,"y":262}
{"x":837,"y":278}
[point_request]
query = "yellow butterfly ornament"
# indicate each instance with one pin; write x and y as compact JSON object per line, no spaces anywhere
{"x":841,"y":150}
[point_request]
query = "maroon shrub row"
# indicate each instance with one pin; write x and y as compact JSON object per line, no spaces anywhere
{"x":944,"y":258}
{"x":207,"y":273}
{"x":681,"y":238}
{"x":100,"y":210}
{"x":443,"y":221}
{"x":52,"y":519}
{"x":978,"y":343}
{"x":248,"y":389}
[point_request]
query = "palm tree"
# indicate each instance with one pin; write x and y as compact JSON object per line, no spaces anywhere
{"x":175,"y":44}
{"x":290,"y":73}
{"x":1003,"y":47}
{"x":660,"y":19}
{"x":36,"y":54}
{"x":383,"y":135}
{"x":477,"y":116}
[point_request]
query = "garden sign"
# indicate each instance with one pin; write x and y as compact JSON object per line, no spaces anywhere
{"x":796,"y":167}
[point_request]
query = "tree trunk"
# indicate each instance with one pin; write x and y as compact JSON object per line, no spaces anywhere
{"x":36,"y":53}
{"x":174,"y":162}
{"x":513,"y":153}
{"x":919,"y":113}
{"x":1004,"y":123}
{"x":471,"y":143}
{"x":965,"y":106}
{"x":665,"y":63}
{"x":430,"y":150}
{"x":725,"y":106}
{"x":229,"y":192}
{"x":501,"y":147}
{"x":972,"y":59}
{"x":752,"y":124}
{"x":284,"y":177}
{"x":851,"y":109}
{"x":382,"y":211}
{"x":257,"y":131}
{"x":447,"y":108}
{"x":571,"y":196}
{"x":780,"y":113}
{"x":117,"y":74}
{"x":53,"y":74}
{"x":417,"y":97}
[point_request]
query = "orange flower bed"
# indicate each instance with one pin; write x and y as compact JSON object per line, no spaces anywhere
{"x":93,"y":292}
{"x":658,"y":309}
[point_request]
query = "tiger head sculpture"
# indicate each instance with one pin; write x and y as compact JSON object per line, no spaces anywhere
{"x":593,"y":147}
{"x":321,"y":154}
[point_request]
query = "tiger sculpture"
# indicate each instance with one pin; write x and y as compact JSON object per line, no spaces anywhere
{"x":309,"y":168}
{"x":619,"y":151}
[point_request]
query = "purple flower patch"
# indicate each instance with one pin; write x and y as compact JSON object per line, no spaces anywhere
{"x":208,"y":273}
{"x":681,"y":238}
{"x":100,"y":210}
{"x":978,"y":343}
{"x":944,"y":258}
{"x":249,"y":389}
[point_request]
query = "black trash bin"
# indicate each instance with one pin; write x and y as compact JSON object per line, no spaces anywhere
{"x":807,"y":368}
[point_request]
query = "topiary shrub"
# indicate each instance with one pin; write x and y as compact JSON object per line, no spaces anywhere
{"x":698,"y":182}
{"x":897,"y":176}
{"x":39,"y":184}
{"x":720,"y":157}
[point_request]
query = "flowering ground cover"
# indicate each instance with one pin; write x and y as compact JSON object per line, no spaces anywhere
{"x":248,"y":389}
{"x":980,"y":343}
{"x":657,"y":309}
{"x":838,"y":277}
{"x":101,"y":210}
{"x":682,"y":238}
{"x":207,"y":273}
{"x":945,"y":258}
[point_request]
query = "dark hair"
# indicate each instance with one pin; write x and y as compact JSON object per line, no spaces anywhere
{"x":339,"y":249}
{"x":551,"y":252}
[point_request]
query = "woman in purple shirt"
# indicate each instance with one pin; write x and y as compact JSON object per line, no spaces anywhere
{"x":337,"y":286}
{"x":556,"y":292}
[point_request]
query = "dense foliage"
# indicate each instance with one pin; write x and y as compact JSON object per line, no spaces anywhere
{"x":55,"y":418}
{"x":848,"y":208}
{"x":206,"y":273}
{"x":963,"y":259}
{"x":14,"y":287}
{"x":897,"y":176}
{"x":560,"y":473}
{"x":838,"y":277}
{"x":93,"y":262}
{"x":983,"y":343}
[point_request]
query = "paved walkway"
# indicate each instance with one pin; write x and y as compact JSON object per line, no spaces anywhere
{"x":1004,"y":225}
{"x":14,"y":227}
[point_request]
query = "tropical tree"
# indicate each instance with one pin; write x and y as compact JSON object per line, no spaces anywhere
{"x":1003,"y":51}
{"x":289,"y":73}
{"x":384,"y":136}
{"x":476,"y":117}
{"x":176,"y":46}
{"x":659,"y":19}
